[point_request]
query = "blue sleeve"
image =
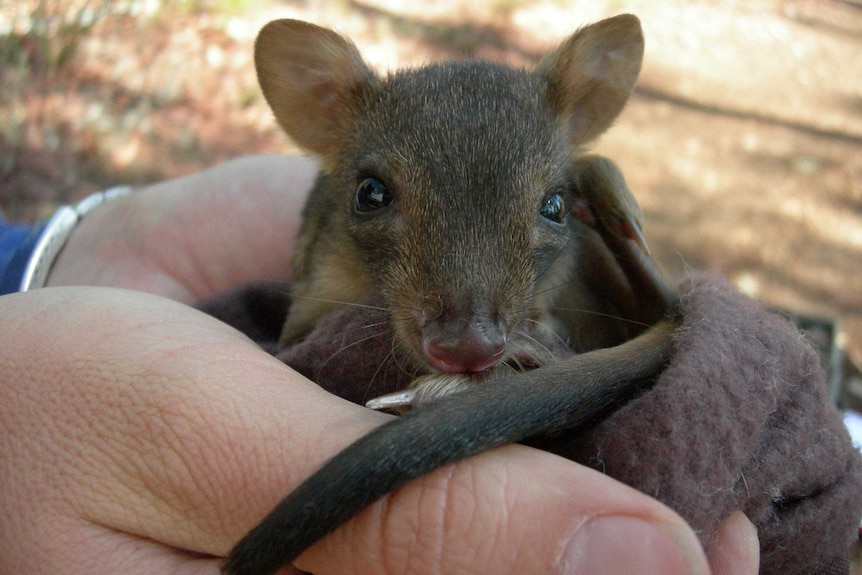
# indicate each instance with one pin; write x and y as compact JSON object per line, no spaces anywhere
{"x":17,"y":243}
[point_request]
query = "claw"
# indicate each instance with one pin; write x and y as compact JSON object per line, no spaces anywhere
{"x":427,"y":388}
{"x":396,"y":400}
{"x":631,"y":228}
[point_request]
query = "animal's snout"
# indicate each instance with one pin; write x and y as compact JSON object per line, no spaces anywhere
{"x":463,"y":346}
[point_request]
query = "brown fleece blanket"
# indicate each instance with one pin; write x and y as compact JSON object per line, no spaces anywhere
{"x":740,"y":419}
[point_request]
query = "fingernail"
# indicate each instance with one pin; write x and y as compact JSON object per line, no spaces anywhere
{"x":616,"y":544}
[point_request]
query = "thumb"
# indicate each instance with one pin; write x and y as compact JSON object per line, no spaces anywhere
{"x":135,"y":419}
{"x":511,"y":510}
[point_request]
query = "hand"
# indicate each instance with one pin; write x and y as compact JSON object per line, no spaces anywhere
{"x":195,"y":236}
{"x":140,"y":436}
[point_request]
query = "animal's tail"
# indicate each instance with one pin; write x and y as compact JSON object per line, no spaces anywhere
{"x":569,"y":394}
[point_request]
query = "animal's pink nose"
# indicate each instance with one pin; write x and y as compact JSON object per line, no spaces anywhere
{"x":469,"y":350}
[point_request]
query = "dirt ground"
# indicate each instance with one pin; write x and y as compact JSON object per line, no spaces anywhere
{"x":743,"y":141}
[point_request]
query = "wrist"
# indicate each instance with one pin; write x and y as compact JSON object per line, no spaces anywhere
{"x":30,"y":265}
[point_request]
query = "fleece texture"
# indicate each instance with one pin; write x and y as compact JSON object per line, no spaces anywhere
{"x":739,"y":420}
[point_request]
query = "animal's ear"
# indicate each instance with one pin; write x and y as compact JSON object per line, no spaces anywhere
{"x":313,"y":79}
{"x":591,"y":75}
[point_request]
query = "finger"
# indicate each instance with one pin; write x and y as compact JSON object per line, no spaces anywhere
{"x":736,"y":550}
{"x":194,"y":236}
{"x":104,"y":551}
{"x":146,"y":418}
{"x":151,"y":420}
{"x":237,"y":222}
{"x":262,"y":454}
{"x":511,"y":510}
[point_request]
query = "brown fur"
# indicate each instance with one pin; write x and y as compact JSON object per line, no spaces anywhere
{"x":469,"y":151}
{"x":483,"y":220}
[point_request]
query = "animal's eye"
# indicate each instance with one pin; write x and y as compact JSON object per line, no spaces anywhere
{"x":371,"y":195}
{"x":554,"y":208}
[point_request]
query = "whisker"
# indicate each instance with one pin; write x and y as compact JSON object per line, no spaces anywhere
{"x":383,"y":362}
{"x":405,"y":365}
{"x":335,"y":301}
{"x":600,"y":314}
{"x":348,"y":334}
{"x":392,"y":356}
{"x":545,"y":354}
{"x":560,"y":339}
{"x":288,"y":284}
{"x":513,"y":359}
{"x":348,"y":346}
{"x":553,"y":287}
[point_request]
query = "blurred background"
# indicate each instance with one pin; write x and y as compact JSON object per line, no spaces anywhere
{"x":743,"y":141}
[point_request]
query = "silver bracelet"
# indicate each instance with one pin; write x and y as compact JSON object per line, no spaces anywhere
{"x":57,"y":232}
